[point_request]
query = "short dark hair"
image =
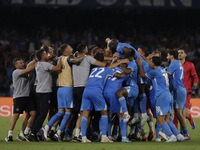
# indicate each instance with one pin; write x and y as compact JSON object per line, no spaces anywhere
{"x":113,"y":45}
{"x":92,"y":49}
{"x":182,"y":49}
{"x":39,"y":54}
{"x":45,"y":47}
{"x":81,"y":47}
{"x":61,"y":49}
{"x":145,"y":50}
{"x":173,"y":52}
{"x":15,"y":60}
{"x":99,"y":56}
{"x":156,"y":60}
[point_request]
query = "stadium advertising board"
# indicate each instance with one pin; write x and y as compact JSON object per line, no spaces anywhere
{"x":6,"y":107}
{"x":109,"y":3}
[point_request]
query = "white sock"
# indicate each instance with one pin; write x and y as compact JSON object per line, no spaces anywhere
{"x":144,"y":115}
{"x":77,"y":132}
{"x":53,"y":128}
{"x":150,"y":123}
{"x":46,"y":128}
{"x":27,"y":130}
{"x":10,"y":133}
{"x":59,"y":132}
{"x":103,"y":136}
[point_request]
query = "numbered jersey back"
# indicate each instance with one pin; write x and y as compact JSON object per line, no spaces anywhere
{"x":98,"y":77}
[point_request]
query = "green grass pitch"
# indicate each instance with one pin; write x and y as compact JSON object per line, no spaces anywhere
{"x":193,"y":144}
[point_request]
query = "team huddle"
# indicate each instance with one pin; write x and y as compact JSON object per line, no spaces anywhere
{"x":98,"y":93}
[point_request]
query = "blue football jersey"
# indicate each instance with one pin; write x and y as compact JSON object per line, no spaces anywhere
{"x":132,"y":80}
{"x":113,"y":83}
{"x":121,"y":55}
{"x":176,"y":74}
{"x":98,"y":77}
{"x":161,"y":80}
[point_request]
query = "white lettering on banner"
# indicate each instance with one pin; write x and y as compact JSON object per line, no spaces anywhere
{"x":51,"y":2}
{"x":5,"y":109}
{"x":40,"y":1}
{"x":17,"y":2}
{"x":185,"y":3}
{"x":68,"y":2}
{"x":158,"y":2}
{"x":128,"y":3}
{"x":106,"y":2}
{"x":144,"y":2}
{"x":195,"y":110}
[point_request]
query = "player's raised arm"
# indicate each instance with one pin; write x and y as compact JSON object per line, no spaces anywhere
{"x":30,"y":67}
{"x":147,"y":60}
{"x":141,"y":70}
{"x":122,"y":61}
{"x":119,"y":75}
{"x":58,"y":67}
{"x":76,"y":60}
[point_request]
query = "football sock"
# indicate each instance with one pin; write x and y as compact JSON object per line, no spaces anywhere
{"x":166,"y":129}
{"x":173,"y":128}
{"x":84,"y":126}
{"x":158,"y":128}
{"x":122,"y":101}
{"x":185,"y":131}
{"x":27,"y":130}
{"x":64,"y":121}
{"x":10,"y":133}
{"x":55,"y":118}
{"x":123,"y":127}
{"x":103,"y":124}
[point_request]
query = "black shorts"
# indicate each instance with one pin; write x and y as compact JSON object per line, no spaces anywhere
{"x":23,"y":104}
{"x":77,"y":95}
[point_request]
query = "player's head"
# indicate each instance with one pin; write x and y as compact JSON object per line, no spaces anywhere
{"x":99,"y":56}
{"x":143,"y":50}
{"x":91,"y":49}
{"x":156,"y":53}
{"x":172,"y":54}
{"x":156,"y":60}
{"x":18,"y":63}
{"x":82,"y":48}
{"x":181,"y":54}
{"x":113,"y":45}
{"x":65,"y":49}
{"x":41,"y":55}
{"x":45,"y":47}
{"x":98,"y":50}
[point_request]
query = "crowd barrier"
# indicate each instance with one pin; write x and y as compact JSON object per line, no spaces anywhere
{"x":6,"y":107}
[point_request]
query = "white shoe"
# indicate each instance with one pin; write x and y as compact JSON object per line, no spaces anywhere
{"x":172,"y":139}
{"x":144,"y":120}
{"x":46,"y":129}
{"x":85,"y":140}
{"x":163,"y":135}
{"x":134,"y":120}
{"x":180,"y":138}
{"x":106,"y":140}
{"x":126,"y":117}
{"x":158,"y":140}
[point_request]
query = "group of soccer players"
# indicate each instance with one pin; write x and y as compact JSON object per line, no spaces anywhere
{"x":101,"y":91}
